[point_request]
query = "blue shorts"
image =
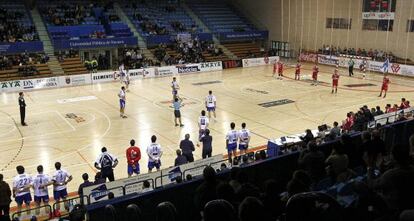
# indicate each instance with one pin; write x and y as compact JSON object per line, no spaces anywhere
{"x":39,"y":199}
{"x":122,"y":103}
{"x":131,"y":170}
{"x":61,"y":194}
{"x":211,"y":109}
{"x":243,"y":146}
{"x":151,"y":165}
{"x":201,"y":133}
{"x":26,"y":198}
{"x":174,"y":92}
{"x":231,"y":147}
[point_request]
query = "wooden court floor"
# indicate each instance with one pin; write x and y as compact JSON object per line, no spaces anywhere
{"x":76,"y":141}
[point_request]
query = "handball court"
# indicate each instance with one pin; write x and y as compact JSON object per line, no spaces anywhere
{"x":71,"y":125}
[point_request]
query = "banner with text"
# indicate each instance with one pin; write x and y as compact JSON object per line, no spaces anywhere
{"x":251,"y":62}
{"x":95,"y":43}
{"x":20,"y":47}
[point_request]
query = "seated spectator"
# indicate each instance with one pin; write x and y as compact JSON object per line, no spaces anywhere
{"x":271,"y":198}
{"x":396,"y":184}
{"x":313,"y":161}
{"x":308,"y":136}
{"x":300,"y":182}
{"x":111,"y":195}
{"x":252,"y":208}
{"x":180,"y":160}
{"x":207,"y":190}
{"x":336,"y":130}
{"x":219,"y":210}
{"x":337,"y":164}
{"x":146,"y":186}
{"x":263,"y":155}
{"x":245,"y":160}
{"x":379,"y":111}
{"x":226,"y":192}
{"x":99,"y":179}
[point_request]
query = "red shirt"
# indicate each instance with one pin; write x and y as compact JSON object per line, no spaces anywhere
{"x":385,"y":82}
{"x":315,"y":70}
{"x":297,"y":69}
{"x":280,"y":68}
{"x":335,"y":77}
{"x":133,"y":155}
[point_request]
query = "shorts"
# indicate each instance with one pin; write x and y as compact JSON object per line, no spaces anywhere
{"x":122,"y":103}
{"x":59,"y":194}
{"x":26,"y":198}
{"x":131,"y":169}
{"x":177,"y":113}
{"x":174,"y":92}
{"x":243,"y":146}
{"x":151,"y":165}
{"x":384,"y":88}
{"x":231,"y":147}
{"x":335,"y":83}
{"x":315,"y":77}
{"x":39,"y":199}
{"x":211,"y":109}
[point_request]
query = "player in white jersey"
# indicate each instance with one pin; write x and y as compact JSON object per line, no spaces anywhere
{"x":60,"y":179}
{"x":122,"y":102}
{"x":211,"y":103}
{"x":21,"y":189}
{"x":231,"y":141}
{"x":40,"y":183}
{"x":154,"y":152}
{"x":174,"y":87}
{"x":202,"y":125}
{"x":244,"y":139}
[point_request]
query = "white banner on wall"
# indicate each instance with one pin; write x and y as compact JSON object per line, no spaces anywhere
{"x":103,"y":76}
{"x":251,"y":62}
{"x":378,"y":15}
{"x":75,"y":80}
{"x":141,"y":73}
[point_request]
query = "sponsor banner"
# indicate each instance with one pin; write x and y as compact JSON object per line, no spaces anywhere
{"x":378,"y":15}
{"x":402,"y":69}
{"x":95,"y":43}
{"x":75,"y":80}
{"x":10,"y":86}
{"x":141,"y":73}
{"x":251,"y":62}
{"x":243,"y":35}
{"x":29,"y":84}
{"x":165,"y":71}
{"x":20,"y":47}
{"x":103,"y":77}
{"x":211,"y":66}
{"x":328,"y":60}
{"x":132,"y":184}
{"x":188,"y":68}
{"x":194,"y":168}
{"x":308,"y":57}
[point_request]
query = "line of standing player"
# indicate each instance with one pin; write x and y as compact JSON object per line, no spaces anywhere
{"x":278,"y":67}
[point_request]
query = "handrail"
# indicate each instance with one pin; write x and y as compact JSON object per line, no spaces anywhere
{"x":164,"y":175}
{"x":16,"y":214}
{"x":184,"y":172}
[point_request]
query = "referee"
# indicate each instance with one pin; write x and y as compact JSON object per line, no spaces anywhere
{"x":177,"y":113}
{"x":106,"y":162}
{"x":22,"y":105}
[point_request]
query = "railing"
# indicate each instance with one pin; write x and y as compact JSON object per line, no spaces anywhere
{"x":152,"y":183}
{"x":37,"y":210}
{"x":388,"y":118}
{"x":165,"y":175}
{"x":105,"y":192}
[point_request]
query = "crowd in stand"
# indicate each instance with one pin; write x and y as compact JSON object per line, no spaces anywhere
{"x":187,"y":52}
{"x":23,"y":59}
{"x":68,"y":14}
{"x":11,"y":30}
{"x":134,"y":58}
{"x":376,"y":55}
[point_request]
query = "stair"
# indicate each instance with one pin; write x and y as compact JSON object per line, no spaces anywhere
{"x":53,"y":63}
{"x":197,"y":20}
{"x":141,"y":42}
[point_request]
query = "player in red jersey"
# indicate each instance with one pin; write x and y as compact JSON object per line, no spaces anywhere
{"x":335,"y":80}
{"x":133,"y":155}
{"x":275,"y":68}
{"x":385,"y":83}
{"x":280,"y":70}
{"x":297,"y":71}
{"x":315,"y":72}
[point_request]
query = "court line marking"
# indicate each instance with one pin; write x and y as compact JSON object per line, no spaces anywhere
{"x":10,"y":131}
{"x":66,"y":120}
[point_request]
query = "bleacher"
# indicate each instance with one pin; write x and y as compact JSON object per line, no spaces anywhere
{"x":13,"y":73}
{"x":244,"y":49}
{"x":156,"y":12}
{"x":73,"y":66}
{"x":94,"y":21}
{"x":218,"y":16}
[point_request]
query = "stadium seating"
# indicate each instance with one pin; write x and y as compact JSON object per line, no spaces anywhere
{"x":14,"y":74}
{"x":160,"y":18}
{"x":218,"y":16}
{"x":243,"y":50}
{"x":73,"y":66}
